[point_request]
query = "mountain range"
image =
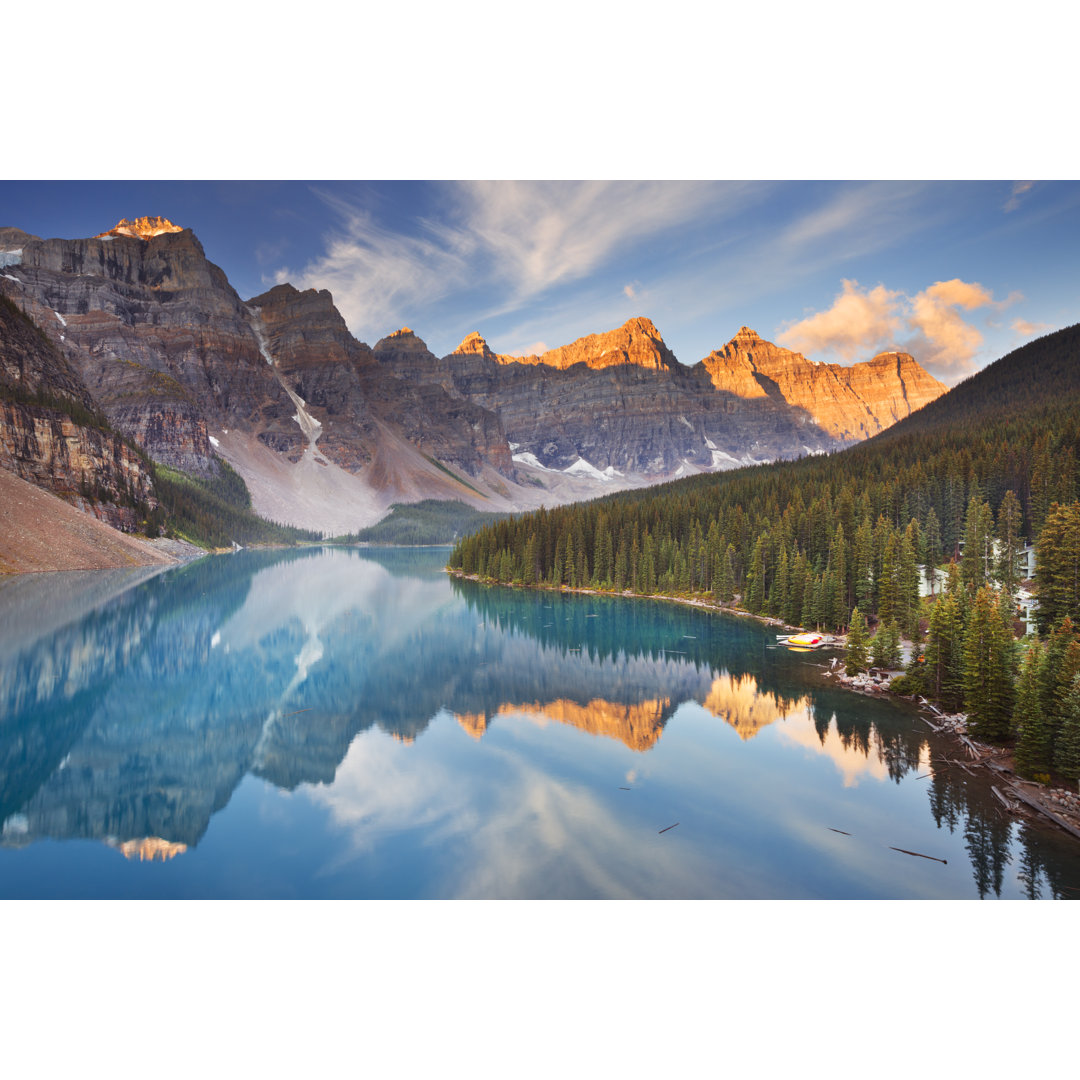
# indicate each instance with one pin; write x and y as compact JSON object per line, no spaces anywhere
{"x":136,"y":324}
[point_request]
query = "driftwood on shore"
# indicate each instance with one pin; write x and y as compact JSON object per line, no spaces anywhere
{"x":1024,"y":797}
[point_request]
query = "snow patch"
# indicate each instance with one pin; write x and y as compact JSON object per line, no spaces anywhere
{"x":513,"y":446}
{"x":721,"y":460}
{"x":582,"y":468}
{"x":11,"y":258}
{"x":709,"y":443}
{"x":213,"y":442}
{"x":530,"y":459}
{"x":60,"y":318}
{"x":683,"y":420}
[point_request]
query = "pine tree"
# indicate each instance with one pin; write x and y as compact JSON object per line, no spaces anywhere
{"x":856,"y":658}
{"x":1032,"y":754}
{"x":1057,"y":565}
{"x":932,"y":549}
{"x":978,"y":543}
{"x":862,"y":568}
{"x":1009,"y":523}
{"x":944,"y":653}
{"x":987,"y":669}
{"x":1067,"y":758}
{"x":885,"y":648}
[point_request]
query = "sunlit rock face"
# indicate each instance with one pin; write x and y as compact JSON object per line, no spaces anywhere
{"x":636,"y":342}
{"x":849,"y":403}
{"x":621,"y":400}
{"x":142,"y":228}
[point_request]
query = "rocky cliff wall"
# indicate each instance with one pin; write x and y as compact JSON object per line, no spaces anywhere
{"x":849,"y":403}
{"x":92,"y":469}
{"x":152,"y":326}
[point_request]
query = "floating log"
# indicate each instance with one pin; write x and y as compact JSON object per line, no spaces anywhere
{"x":624,"y":789}
{"x":918,"y":855}
{"x":1024,"y":797}
{"x":1004,"y":802}
{"x":840,"y":831}
{"x":930,"y":724}
{"x":668,"y":828}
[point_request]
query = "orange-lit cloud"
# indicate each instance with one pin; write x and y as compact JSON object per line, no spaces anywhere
{"x":856,"y":319}
{"x":537,"y":348}
{"x":1029,"y":329}
{"x":942,"y":341}
{"x":929,"y":325}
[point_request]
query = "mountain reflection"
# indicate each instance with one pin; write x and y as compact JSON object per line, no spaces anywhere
{"x":134,"y":722}
{"x":636,"y":726}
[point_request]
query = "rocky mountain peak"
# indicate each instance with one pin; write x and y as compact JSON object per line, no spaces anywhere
{"x":473,"y":343}
{"x":142,"y":228}
{"x":403,"y":340}
{"x":636,"y":343}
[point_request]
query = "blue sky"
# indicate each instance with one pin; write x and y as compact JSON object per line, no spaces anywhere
{"x":956,"y":272}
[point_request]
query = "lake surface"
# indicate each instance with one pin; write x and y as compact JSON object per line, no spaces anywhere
{"x":354,"y":723}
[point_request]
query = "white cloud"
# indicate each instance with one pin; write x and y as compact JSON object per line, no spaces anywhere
{"x":1019,"y":188}
{"x":629,"y":292}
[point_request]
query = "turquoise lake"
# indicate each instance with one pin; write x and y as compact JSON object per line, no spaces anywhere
{"x":353,"y":723}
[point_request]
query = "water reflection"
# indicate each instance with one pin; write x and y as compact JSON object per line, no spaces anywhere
{"x":515,"y":718}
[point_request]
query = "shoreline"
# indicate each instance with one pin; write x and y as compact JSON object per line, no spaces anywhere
{"x":1050,"y":805}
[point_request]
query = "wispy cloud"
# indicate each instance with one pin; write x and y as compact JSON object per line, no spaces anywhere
{"x":857,"y":219}
{"x":518,"y":239}
{"x":1030,"y":329}
{"x":929,"y":324}
{"x":1019,"y":189}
